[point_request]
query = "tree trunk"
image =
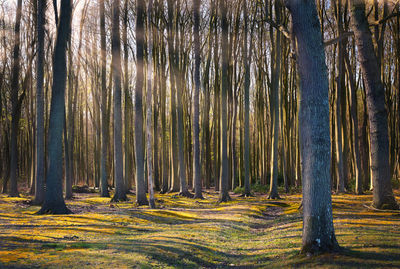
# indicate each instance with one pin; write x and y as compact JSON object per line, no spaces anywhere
{"x":273,"y":191}
{"x":16,"y":103}
{"x":318,"y":231}
{"x":149,"y":106}
{"x":127,"y":107}
{"x":196,"y":123}
{"x":224,"y":180}
{"x":104,"y":122}
{"x":120,"y":192}
{"x":247,"y":59}
{"x":54,"y":201}
{"x":378,"y":122}
{"x":40,"y":158}
{"x":354,"y":120}
{"x":174,"y":186}
{"x":141,"y":198}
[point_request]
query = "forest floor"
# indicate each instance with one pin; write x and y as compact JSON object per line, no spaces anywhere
{"x":186,"y":233}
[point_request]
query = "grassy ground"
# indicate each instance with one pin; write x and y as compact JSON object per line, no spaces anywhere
{"x":183,"y":233}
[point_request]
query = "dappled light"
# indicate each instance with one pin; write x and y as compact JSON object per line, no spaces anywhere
{"x":246,"y":232}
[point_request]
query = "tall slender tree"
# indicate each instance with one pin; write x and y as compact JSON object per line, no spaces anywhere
{"x":275,"y":104}
{"x":224,"y":180}
{"x":16,"y":103}
{"x":120,"y":192}
{"x":40,"y":158}
{"x":141,"y":198}
{"x":149,"y":105}
{"x":104,"y":122}
{"x":54,"y":201}
{"x":246,"y":99}
{"x":196,"y":95}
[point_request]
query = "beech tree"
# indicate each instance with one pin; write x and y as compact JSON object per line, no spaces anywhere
{"x":120,"y":192}
{"x":196,"y":121}
{"x":318,"y":230}
{"x":224,"y":194}
{"x":40,"y":157}
{"x":141,"y":198}
{"x":377,"y":115}
{"x":54,"y":201}
{"x":16,"y":102}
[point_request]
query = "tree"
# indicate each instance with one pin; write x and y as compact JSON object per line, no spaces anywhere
{"x":174,"y":179}
{"x":54,"y":201}
{"x":141,"y":198}
{"x":247,"y":61}
{"x":104,"y":122}
{"x":318,"y":230}
{"x":16,"y":103}
{"x":378,"y":121}
{"x":196,"y":122}
{"x":40,"y":158}
{"x":275,"y":104}
{"x":224,"y":183}
{"x":120,"y":192}
{"x":149,"y":107}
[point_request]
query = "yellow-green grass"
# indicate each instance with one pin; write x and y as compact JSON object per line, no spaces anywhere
{"x":186,"y":233}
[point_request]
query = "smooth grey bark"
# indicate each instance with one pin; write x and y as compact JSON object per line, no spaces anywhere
{"x":183,"y":188}
{"x":318,"y":230}
{"x":128,"y":103}
{"x":16,"y":103}
{"x":196,"y":122}
{"x":120,"y":192}
{"x":54,"y":201}
{"x":340,"y":110}
{"x":103,"y":106}
{"x":383,"y":197}
{"x":164,"y":125}
{"x":40,"y":158}
{"x":273,"y":190}
{"x":224,"y":181}
{"x":247,"y":59}
{"x":141,"y":198}
{"x":354,"y":119}
{"x":174,"y":180}
{"x":149,"y":106}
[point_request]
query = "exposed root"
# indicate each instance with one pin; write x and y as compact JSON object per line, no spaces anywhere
{"x":119,"y":198}
{"x":247,"y":195}
{"x":382,"y":210}
{"x":54,"y":211}
{"x":224,"y":198}
{"x":187,"y":194}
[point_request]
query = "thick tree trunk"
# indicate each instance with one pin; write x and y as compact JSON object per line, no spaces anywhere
{"x":378,"y":120}
{"x":120,"y":192}
{"x":318,"y":231}
{"x":54,"y":201}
